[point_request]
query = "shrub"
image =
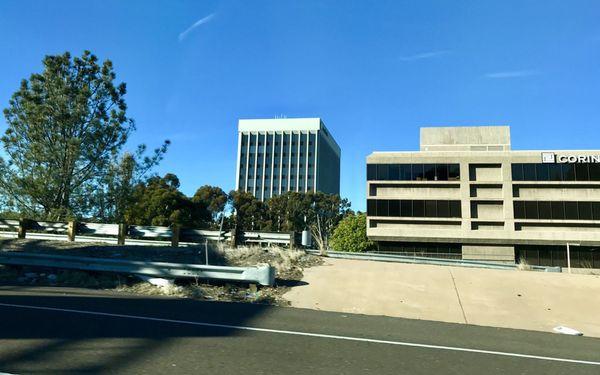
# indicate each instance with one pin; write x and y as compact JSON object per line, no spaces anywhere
{"x":351,"y":235}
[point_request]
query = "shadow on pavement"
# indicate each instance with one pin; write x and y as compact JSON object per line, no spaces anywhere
{"x":31,"y":340}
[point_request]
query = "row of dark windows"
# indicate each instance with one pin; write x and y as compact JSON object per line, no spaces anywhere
{"x":435,"y":250}
{"x":275,"y":187}
{"x":581,"y":256}
{"x":268,"y":166}
{"x":556,"y":172}
{"x":267,"y":177}
{"x":260,"y":155}
{"x":285,"y":143}
{"x":557,"y":210}
{"x":413,"y":172}
{"x":413,"y":208}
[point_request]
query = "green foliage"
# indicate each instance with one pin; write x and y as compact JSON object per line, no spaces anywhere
{"x":10,"y":215}
{"x":351,"y":235}
{"x":250,"y":213}
{"x":66,"y":129}
{"x":294,"y":211}
{"x":212,"y":198}
{"x":287,"y":211}
{"x":115,"y":193}
{"x":159,"y":202}
{"x":291,"y":211}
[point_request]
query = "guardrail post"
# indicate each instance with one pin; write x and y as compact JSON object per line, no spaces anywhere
{"x":22,"y":232}
{"x":122,"y":233}
{"x":71,"y":229}
{"x":233,"y":239}
{"x":175,"y":235}
{"x":292,"y":240}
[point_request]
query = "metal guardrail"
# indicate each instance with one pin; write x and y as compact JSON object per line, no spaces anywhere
{"x":432,"y":261}
{"x":12,"y":225}
{"x":150,"y":231}
{"x":98,"y":229}
{"x":266,"y":237}
{"x":201,"y":235}
{"x":107,"y":240}
{"x":263,"y":275}
{"x":132,"y":234}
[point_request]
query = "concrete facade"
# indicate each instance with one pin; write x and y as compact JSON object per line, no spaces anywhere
{"x":280,"y":155}
{"x":469,"y":195}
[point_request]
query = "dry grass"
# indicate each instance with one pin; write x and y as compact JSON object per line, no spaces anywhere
{"x":289,"y":265}
{"x":146,"y":288}
{"x":523,"y":265}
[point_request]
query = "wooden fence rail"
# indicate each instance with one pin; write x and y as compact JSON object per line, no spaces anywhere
{"x":136,"y":234}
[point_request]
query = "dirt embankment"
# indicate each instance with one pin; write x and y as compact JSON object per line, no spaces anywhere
{"x":289,"y":264}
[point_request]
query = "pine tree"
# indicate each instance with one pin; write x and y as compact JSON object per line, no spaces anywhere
{"x":66,"y":127}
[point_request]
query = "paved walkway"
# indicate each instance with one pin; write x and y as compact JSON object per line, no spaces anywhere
{"x":499,"y":298}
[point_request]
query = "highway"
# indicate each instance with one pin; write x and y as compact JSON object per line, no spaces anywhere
{"x":62,"y":330}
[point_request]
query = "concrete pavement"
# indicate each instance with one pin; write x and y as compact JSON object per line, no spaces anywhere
{"x":52,"y":330}
{"x":498,"y":298}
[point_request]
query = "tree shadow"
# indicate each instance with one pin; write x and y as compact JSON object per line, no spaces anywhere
{"x":45,"y":340}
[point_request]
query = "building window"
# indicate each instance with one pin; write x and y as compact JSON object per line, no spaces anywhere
{"x":443,"y":209}
{"x":371,"y":172}
{"x":557,"y":210}
{"x":418,"y":173}
{"x":529,"y":172}
{"x":441,"y":172}
{"x":545,"y":209}
{"x":518,"y":172}
{"x":582,"y":172}
{"x":394,"y":172}
{"x":542,"y":172}
{"x":555,"y":172}
{"x":413,"y":172}
{"x":531,"y":210}
{"x":413,"y":208}
{"x":382,"y":207}
{"x":429,"y":172}
{"x":571,"y":211}
{"x":431,"y":209}
{"x":594,"y":171}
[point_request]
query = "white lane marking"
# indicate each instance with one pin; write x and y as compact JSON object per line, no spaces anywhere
{"x":298,"y":333}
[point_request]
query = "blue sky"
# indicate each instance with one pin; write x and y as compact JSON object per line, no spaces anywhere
{"x":373,"y":71}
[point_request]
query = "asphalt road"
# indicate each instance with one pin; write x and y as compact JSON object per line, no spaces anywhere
{"x":52,"y":330}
